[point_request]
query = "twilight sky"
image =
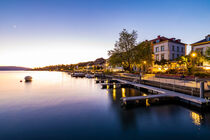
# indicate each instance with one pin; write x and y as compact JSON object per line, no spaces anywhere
{"x":44,"y":32}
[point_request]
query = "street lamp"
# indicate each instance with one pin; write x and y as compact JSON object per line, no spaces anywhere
{"x":194,"y":54}
{"x":145,"y":62}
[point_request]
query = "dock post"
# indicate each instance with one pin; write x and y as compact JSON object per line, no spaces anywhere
{"x":201,"y":89}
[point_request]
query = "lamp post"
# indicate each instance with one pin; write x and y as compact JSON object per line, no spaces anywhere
{"x":193,"y":55}
{"x":145,"y":62}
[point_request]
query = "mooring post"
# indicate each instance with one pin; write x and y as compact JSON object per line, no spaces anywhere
{"x":201,"y":89}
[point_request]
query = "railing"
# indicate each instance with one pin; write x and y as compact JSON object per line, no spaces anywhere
{"x":179,"y":85}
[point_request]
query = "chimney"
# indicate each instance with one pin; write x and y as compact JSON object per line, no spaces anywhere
{"x":178,"y":40}
{"x":158,"y":36}
{"x":208,"y":37}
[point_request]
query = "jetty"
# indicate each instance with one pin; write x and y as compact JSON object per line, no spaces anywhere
{"x":161,"y":95}
{"x":114,"y":85}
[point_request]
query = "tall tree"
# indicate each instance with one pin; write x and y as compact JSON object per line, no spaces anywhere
{"x":123,"y":49}
{"x":143,"y":55}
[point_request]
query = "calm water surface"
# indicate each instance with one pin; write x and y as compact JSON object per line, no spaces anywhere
{"x":56,"y":106}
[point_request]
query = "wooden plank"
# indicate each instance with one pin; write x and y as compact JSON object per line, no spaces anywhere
{"x":190,"y":98}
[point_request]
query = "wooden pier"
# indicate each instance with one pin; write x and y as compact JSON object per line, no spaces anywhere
{"x":106,"y":81}
{"x":162,"y":94}
{"x":113,"y":85}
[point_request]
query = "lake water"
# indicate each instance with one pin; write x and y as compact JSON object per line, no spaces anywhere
{"x":56,"y":106}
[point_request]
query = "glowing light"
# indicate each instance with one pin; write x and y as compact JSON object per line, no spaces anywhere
{"x":206,"y":68}
{"x":145,"y":62}
{"x":144,"y":94}
{"x":114,"y":86}
{"x":194,"y":54}
{"x":147,"y":102}
{"x":123,"y":92}
{"x":114,"y":94}
{"x":107,"y":87}
{"x":196,"y":118}
{"x":165,"y":68}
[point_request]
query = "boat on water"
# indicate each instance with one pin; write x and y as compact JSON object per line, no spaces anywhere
{"x":89,"y":76}
{"x":79,"y":74}
{"x":28,"y":78}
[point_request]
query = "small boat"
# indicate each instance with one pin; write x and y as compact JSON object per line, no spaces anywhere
{"x":89,"y":76}
{"x":78,"y":75}
{"x":28,"y":78}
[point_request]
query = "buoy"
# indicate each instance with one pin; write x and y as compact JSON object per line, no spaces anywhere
{"x":28,"y":78}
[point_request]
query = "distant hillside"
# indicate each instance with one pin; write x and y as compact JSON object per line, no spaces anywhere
{"x":7,"y":68}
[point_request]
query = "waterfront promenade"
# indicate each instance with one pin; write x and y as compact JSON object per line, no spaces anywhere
{"x":151,"y":77}
{"x":192,"y":100}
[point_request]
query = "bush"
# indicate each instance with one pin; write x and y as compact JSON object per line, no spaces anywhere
{"x":202,"y":75}
{"x":172,"y":71}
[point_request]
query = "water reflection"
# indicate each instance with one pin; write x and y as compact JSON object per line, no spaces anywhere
{"x":197,"y":118}
{"x":78,"y":108}
{"x":163,"y":111}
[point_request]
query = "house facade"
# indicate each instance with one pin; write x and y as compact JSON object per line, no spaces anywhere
{"x":167,"y":48}
{"x":202,"y":45}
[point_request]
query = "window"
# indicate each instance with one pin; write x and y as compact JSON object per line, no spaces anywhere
{"x":162,"y":48}
{"x":177,"y":55}
{"x":157,"y":49}
{"x":173,"y":48}
{"x":157,"y":41}
{"x":172,"y":56}
{"x":157,"y":57}
{"x":177,"y":48}
{"x":162,"y":56}
{"x":182,"y":49}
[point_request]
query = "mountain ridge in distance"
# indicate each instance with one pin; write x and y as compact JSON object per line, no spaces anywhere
{"x":15,"y":68}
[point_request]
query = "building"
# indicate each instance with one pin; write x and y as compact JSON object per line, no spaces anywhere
{"x":167,"y":48}
{"x":201,"y":45}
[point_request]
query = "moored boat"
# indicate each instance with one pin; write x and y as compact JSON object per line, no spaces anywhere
{"x":78,"y":74}
{"x":89,"y":76}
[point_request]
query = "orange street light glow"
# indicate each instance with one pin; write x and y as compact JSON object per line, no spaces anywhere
{"x":194,"y":54}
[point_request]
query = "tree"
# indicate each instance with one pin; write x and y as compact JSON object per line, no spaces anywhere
{"x":143,"y":55}
{"x":208,"y":51}
{"x":207,"y":57}
{"x":191,"y":61}
{"x":123,"y":50}
{"x":162,"y":62}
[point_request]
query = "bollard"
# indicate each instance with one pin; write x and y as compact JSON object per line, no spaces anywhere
{"x":201,"y":89}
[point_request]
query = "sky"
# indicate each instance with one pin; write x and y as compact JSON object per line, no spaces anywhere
{"x":35,"y":33}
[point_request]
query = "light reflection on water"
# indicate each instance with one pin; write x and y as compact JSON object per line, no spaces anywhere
{"x":56,"y":106}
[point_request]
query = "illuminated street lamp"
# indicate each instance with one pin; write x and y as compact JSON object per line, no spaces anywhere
{"x":144,"y":66}
{"x":194,"y":54}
